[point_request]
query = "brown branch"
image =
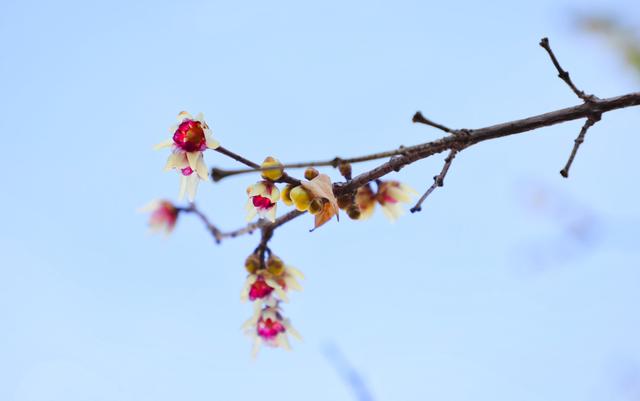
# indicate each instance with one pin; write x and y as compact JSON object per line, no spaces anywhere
{"x":408,"y":155}
{"x":591,"y":120}
{"x":417,"y":152}
{"x":563,"y":74}
{"x":438,"y":180}
{"x":219,"y":235}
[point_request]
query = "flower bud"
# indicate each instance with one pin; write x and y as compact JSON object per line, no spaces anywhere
{"x":252,"y":264}
{"x":310,"y":173}
{"x":316,"y":205}
{"x":275,"y":265}
{"x":354,"y":212}
{"x":274,"y":174}
{"x":300,"y":197}
{"x":286,"y":195}
{"x":345,"y":170}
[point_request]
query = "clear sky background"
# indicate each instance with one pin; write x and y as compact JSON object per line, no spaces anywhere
{"x":512,"y":284}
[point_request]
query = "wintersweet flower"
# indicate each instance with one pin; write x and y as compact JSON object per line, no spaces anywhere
{"x":262,"y":282}
{"x":163,"y":215}
{"x":268,"y":326}
{"x":391,"y":194}
{"x":263,"y":198}
{"x":191,"y":137}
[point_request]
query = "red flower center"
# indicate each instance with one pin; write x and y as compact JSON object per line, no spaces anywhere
{"x":259,"y":289}
{"x":269,"y":329}
{"x":190,"y":136}
{"x":260,"y":202}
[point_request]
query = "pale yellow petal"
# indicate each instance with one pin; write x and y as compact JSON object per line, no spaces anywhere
{"x":183,"y":115}
{"x":202,"y":170}
{"x":271,"y":214}
{"x":183,"y":187}
{"x":193,"y":157}
{"x":192,"y":187}
{"x":163,"y":144}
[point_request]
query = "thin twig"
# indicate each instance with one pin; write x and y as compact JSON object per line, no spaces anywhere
{"x":212,"y":228}
{"x":438,"y":180}
{"x":218,"y":174}
{"x":564,"y":75}
{"x":591,"y":120}
{"x":419,"y":118}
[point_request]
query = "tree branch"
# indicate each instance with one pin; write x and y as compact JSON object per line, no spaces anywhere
{"x":563,"y":74}
{"x":438,"y":180}
{"x":591,"y":120}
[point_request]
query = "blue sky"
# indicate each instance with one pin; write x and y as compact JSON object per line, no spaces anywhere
{"x":481,"y":296}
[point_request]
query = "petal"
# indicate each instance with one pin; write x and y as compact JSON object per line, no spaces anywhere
{"x":271,"y":214}
{"x":183,"y":115}
{"x":192,"y":187}
{"x":149,"y":207}
{"x":202,"y":170}
{"x":251,"y":211}
{"x":192,"y":157}
{"x":183,"y":187}
{"x":275,"y":194}
{"x":175,"y":160}
{"x":291,"y":330}
{"x":212,"y":143}
{"x":199,"y":117}
{"x":163,"y":144}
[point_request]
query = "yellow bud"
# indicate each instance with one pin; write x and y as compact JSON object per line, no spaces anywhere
{"x":271,"y":174}
{"x":310,"y":173}
{"x":285,"y":195}
{"x":316,"y":205}
{"x":252,"y":264}
{"x":275,"y":265}
{"x":300,"y":197}
{"x":354,"y":212}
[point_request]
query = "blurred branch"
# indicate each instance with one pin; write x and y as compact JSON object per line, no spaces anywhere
{"x":350,"y":375}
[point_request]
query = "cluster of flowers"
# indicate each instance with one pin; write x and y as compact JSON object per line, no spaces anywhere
{"x":267,"y":285}
{"x":269,"y":279}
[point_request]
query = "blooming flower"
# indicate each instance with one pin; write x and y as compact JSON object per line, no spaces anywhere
{"x":268,"y":326}
{"x":390,"y":195}
{"x":263,"y":198}
{"x":191,"y":137}
{"x":163,"y":215}
{"x":262,"y":282}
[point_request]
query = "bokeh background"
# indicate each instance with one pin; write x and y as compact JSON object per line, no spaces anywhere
{"x":512,"y":284}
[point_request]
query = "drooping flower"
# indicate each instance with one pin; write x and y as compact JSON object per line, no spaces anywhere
{"x":163,"y":215}
{"x":263,"y":199}
{"x":191,"y":137}
{"x":275,"y":276}
{"x":268,"y":326}
{"x":390,"y":196}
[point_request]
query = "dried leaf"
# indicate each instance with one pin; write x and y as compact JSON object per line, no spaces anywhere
{"x":321,"y":187}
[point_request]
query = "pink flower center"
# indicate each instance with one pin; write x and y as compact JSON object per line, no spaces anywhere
{"x":269,"y":329}
{"x":259,"y":289}
{"x":187,"y":171}
{"x":260,"y":202}
{"x":190,"y":136}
